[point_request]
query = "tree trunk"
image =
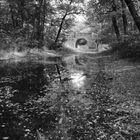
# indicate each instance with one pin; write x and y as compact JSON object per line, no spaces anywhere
{"x":114,"y":22}
{"x":125,"y":23}
{"x":38,"y":23}
{"x":39,"y":13}
{"x":21,"y":15}
{"x":62,"y":21}
{"x":133,"y":12}
{"x":43,"y":22}
{"x":12,"y":17}
{"x":60,"y":28}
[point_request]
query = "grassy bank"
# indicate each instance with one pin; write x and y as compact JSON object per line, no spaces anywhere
{"x":34,"y":53}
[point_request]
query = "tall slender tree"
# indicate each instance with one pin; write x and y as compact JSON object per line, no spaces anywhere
{"x":134,"y":13}
{"x":62,"y":21}
{"x":114,"y":20}
{"x":125,"y":23}
{"x":69,"y":9}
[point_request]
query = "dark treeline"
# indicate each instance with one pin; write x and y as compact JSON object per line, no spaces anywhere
{"x":116,"y":21}
{"x":34,"y":23}
{"x":37,"y":23}
{"x":120,"y":17}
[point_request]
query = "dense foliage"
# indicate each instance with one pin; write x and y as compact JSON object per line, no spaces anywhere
{"x":34,"y":23}
{"x":40,"y":98}
{"x":116,"y":21}
{"x":114,"y":16}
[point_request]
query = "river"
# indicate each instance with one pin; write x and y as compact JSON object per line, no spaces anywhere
{"x":76,"y":97}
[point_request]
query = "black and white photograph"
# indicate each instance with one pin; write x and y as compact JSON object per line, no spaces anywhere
{"x":69,"y":69}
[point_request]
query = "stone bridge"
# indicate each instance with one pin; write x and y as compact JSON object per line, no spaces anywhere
{"x":91,"y":45}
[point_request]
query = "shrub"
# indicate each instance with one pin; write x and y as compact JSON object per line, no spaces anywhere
{"x":128,"y":47}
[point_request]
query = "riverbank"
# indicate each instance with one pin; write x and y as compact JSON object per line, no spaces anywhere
{"x":42,"y":53}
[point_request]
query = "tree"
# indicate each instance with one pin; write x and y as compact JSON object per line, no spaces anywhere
{"x":125,"y":23}
{"x":133,"y":12}
{"x":105,"y":12}
{"x":62,"y":21}
{"x":39,"y":22}
{"x":66,"y":10}
{"x":114,"y":20}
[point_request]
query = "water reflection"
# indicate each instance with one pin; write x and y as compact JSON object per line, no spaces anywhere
{"x":41,"y":96}
{"x":75,"y":60}
{"x":64,"y":101}
{"x":75,"y":65}
{"x":78,"y":79}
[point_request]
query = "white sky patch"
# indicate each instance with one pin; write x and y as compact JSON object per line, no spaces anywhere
{"x":80,"y":18}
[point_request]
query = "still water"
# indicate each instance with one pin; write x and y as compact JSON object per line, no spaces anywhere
{"x":68,"y":98}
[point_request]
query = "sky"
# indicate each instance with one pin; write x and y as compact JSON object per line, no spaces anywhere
{"x":80,"y":18}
